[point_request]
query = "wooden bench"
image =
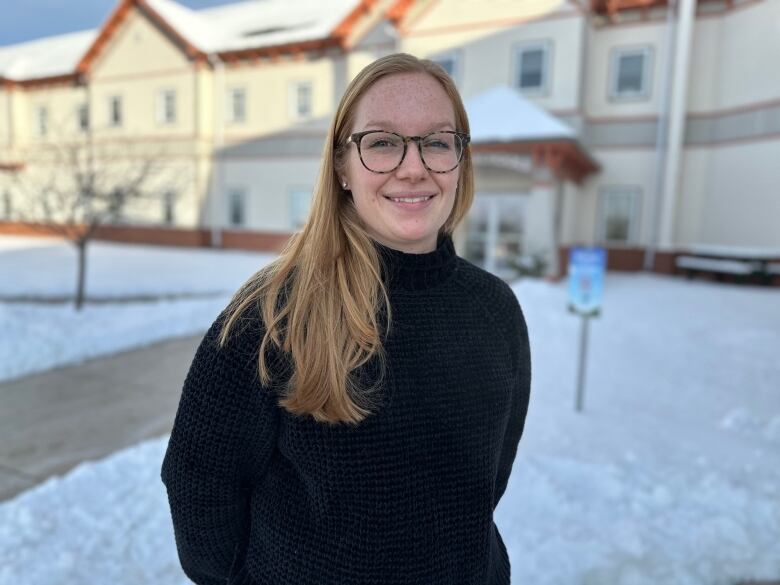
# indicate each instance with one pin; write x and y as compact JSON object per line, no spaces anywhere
{"x":740,"y":264}
{"x":739,"y":270}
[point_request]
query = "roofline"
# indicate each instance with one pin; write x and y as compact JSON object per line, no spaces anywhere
{"x":343,"y":29}
{"x":397,"y":12}
{"x":610,"y":8}
{"x":116,"y":18}
{"x":274,"y":51}
{"x":12,"y":167}
{"x":337,"y":38}
{"x":565,"y":157}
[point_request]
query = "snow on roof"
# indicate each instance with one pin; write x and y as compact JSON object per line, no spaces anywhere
{"x":260,"y":23}
{"x":502,"y":114}
{"x":48,"y":57}
{"x":232,"y":27}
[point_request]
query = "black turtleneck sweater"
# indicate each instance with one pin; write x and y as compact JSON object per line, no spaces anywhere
{"x":262,"y":497}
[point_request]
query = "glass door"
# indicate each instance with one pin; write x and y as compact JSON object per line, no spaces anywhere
{"x":495,"y":233}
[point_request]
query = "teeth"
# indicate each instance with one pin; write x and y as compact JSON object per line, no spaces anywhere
{"x":411,"y":199}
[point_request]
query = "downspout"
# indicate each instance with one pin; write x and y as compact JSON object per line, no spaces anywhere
{"x":218,"y":134}
{"x":677,"y":117}
{"x":671,"y":126}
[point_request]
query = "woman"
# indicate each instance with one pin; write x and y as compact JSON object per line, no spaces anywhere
{"x":353,"y":415}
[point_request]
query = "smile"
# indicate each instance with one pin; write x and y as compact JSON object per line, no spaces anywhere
{"x":412,"y":203}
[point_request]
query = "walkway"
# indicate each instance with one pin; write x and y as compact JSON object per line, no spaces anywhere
{"x":50,"y":422}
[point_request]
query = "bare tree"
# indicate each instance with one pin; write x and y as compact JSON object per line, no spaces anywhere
{"x":73,"y":188}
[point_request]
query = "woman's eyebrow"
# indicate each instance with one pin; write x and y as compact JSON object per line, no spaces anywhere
{"x":385,"y":125}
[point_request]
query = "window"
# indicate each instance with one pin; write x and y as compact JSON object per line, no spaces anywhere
{"x":301,"y":98}
{"x":41,"y":120}
{"x":166,"y":106}
{"x":448,"y":62}
{"x":169,"y":202}
{"x":630,"y":73}
{"x":237,"y":105}
{"x":237,"y":211}
{"x":7,"y":204}
{"x":619,"y":214}
{"x":532,"y":64}
{"x":115,"y":111}
{"x":300,"y":203}
{"x":82,"y":117}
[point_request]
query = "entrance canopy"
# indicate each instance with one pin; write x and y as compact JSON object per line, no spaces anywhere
{"x":504,"y":122}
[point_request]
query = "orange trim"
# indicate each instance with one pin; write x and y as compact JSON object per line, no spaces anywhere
{"x":55,"y":80}
{"x":190,"y":50}
{"x":489,"y":24}
{"x":566,"y":159}
{"x":119,"y":15}
{"x":397,"y":12}
{"x":106,"y":32}
{"x":278,"y":50}
{"x":611,"y":7}
{"x":345,"y":27}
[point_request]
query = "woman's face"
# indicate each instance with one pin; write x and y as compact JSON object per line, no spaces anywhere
{"x":410,"y":104}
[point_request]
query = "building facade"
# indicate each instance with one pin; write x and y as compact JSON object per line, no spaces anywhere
{"x":650,"y":128}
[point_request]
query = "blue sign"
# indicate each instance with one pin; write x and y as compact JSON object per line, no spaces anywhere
{"x":586,"y":279}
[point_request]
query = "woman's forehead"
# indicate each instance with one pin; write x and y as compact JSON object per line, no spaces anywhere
{"x":405,"y":97}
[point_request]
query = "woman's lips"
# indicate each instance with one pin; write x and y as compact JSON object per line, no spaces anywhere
{"x":410,"y":206}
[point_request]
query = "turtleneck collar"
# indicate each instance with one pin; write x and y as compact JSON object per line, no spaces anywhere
{"x":409,"y":271}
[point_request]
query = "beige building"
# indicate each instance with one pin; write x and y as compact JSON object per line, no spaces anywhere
{"x":653,"y":132}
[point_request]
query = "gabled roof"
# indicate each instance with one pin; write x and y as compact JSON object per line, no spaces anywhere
{"x":502,"y":114}
{"x":225,"y":30}
{"x":49,"y":57}
{"x":501,"y":120}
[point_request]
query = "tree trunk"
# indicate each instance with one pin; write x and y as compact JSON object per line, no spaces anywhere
{"x":82,"y":271}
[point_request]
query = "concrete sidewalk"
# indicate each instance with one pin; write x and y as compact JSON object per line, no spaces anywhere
{"x":50,"y":422}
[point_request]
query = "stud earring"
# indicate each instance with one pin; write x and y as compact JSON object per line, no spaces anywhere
{"x":344,"y":184}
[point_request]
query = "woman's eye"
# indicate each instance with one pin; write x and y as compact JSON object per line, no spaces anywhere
{"x":437,"y":144}
{"x":382,"y":143}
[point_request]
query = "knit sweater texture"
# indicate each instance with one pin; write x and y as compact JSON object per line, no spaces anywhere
{"x":259,"y":496}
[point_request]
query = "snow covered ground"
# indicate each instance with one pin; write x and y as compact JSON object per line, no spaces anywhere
{"x":670,"y":475}
{"x":41,"y":336}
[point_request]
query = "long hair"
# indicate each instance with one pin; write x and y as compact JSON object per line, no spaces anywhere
{"x":320,"y":300}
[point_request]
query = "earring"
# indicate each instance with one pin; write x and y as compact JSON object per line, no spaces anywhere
{"x":344,"y":184}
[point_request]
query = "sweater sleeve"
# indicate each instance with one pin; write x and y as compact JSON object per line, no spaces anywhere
{"x":222,"y":439}
{"x":520,"y":399}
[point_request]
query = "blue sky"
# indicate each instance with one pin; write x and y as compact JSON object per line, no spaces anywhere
{"x":25,"y":20}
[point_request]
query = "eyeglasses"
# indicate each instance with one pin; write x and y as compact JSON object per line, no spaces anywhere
{"x":383,"y":152}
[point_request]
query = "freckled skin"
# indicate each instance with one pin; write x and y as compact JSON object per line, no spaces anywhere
{"x":412,"y":104}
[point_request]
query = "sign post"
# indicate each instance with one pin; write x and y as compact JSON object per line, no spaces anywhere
{"x":586,"y":287}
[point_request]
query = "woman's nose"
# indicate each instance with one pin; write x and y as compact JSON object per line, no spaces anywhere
{"x":412,"y":167}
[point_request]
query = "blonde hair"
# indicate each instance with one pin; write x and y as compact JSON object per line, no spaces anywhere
{"x":325,"y":290}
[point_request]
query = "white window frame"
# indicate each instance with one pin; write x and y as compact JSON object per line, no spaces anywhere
{"x":243,"y":192}
{"x":162,"y":106}
{"x":546,"y":46}
{"x":80,"y":127}
{"x":456,"y":58}
{"x":231,"y":109}
{"x":646,"y":51}
{"x":634,"y":217}
{"x":293,"y":193}
{"x":41,"y":120}
{"x":112,"y":123}
{"x":294,"y":97}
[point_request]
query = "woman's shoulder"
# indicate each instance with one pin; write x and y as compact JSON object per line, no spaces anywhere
{"x":486,"y":285}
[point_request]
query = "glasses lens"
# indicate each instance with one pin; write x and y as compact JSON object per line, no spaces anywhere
{"x":381,"y":151}
{"x":442,"y":151}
